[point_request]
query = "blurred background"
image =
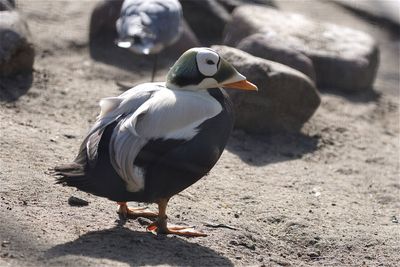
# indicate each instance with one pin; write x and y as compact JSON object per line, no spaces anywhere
{"x":310,"y":176}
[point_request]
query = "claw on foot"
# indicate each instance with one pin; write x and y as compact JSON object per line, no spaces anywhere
{"x":157,"y":228}
{"x":160,"y":226}
{"x":127,"y":212}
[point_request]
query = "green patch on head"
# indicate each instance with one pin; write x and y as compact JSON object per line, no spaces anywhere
{"x":185,"y":71}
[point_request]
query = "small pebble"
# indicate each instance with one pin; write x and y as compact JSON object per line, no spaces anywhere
{"x":143,"y":221}
{"x":233,"y":242}
{"x":69,"y":136}
{"x":78,"y":202}
{"x":313,"y":254}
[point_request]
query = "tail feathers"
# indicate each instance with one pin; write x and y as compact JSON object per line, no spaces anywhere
{"x":73,"y":175}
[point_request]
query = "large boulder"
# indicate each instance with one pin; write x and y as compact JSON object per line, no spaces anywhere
{"x":286,"y":98}
{"x":273,"y":48}
{"x":343,"y":58}
{"x":230,"y":5}
{"x":16,"y":49}
{"x":207,"y":18}
{"x":386,"y":11}
{"x":187,"y":40}
{"x":103,"y":18}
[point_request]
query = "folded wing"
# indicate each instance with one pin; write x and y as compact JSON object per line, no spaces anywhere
{"x":166,"y":115}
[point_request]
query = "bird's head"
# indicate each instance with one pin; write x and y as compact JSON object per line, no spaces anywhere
{"x":202,"y":68}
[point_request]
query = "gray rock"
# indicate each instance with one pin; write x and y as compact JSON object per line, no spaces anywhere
{"x":286,"y":98}
{"x":274,"y":49}
{"x":381,"y":10}
{"x":230,"y":5}
{"x":343,"y":58}
{"x":103,"y":18}
{"x":207,"y":19}
{"x":77,"y":202}
{"x":16,"y":48}
{"x":187,"y":40}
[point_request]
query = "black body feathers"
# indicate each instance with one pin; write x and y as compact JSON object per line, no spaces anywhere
{"x":169,"y":165}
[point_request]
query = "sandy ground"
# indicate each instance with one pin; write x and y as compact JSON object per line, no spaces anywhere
{"x":328,"y":196}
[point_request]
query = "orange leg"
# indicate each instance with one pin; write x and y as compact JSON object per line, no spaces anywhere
{"x":161,"y":227}
{"x":127,"y":212}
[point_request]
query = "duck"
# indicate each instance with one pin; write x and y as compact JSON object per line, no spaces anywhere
{"x":148,"y":26}
{"x":156,"y":139}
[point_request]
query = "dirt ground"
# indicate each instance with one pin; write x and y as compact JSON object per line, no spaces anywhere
{"x":328,"y":196}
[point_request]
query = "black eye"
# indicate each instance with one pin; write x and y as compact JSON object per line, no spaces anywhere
{"x":210,"y":62}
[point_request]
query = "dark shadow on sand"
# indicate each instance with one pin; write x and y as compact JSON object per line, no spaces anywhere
{"x":138,"y":249}
{"x":258,"y":150}
{"x":13,"y":87}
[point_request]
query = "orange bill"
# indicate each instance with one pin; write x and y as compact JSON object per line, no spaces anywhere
{"x":243,"y":85}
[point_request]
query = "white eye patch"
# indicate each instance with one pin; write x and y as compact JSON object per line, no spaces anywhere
{"x":207,"y":61}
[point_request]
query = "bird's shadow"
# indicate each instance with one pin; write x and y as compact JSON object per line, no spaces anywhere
{"x":138,"y":248}
{"x":259,"y":150}
{"x":13,"y":87}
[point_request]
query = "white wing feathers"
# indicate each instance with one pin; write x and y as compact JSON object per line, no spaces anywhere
{"x":150,"y":111}
{"x":172,"y":115}
{"x":124,"y":148}
{"x":113,"y":108}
